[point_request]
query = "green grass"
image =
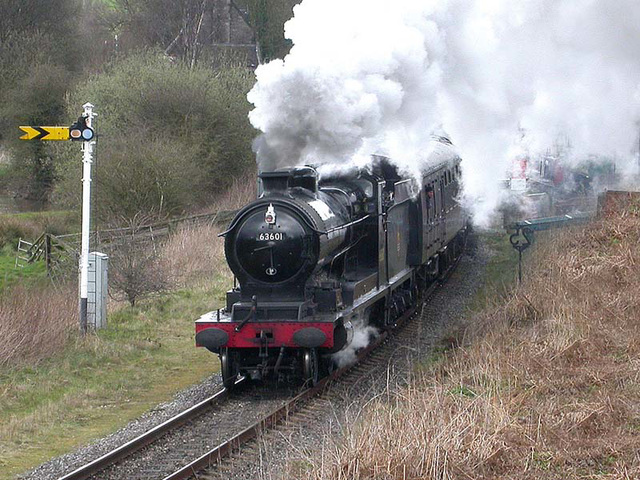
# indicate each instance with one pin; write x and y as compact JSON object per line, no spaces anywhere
{"x":31,"y":274}
{"x":29,"y":226}
{"x":101,"y":382}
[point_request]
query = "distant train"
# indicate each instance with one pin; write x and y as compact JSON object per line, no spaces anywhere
{"x":315,"y":256}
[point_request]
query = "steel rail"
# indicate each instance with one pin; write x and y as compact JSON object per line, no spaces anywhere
{"x":148,"y":437}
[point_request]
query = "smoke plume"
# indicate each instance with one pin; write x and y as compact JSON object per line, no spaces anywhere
{"x":373,"y":76}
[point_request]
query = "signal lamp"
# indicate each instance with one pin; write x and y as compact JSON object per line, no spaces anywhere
{"x":80,"y":132}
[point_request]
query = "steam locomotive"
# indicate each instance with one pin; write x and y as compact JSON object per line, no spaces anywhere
{"x":317,"y":256}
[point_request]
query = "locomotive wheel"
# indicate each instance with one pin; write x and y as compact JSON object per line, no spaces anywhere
{"x":310,"y":366}
{"x":228,"y":370}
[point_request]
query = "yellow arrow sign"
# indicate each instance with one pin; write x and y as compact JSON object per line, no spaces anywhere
{"x":45,"y":133}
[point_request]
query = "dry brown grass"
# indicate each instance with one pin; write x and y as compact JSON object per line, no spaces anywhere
{"x":194,"y":254}
{"x":546,"y":385}
{"x":35,"y":323}
{"x":242,"y":191}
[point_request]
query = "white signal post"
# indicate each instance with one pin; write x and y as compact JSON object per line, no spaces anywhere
{"x":87,"y":160}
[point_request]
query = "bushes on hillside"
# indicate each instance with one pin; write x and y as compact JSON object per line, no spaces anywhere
{"x":170,"y":136}
{"x":39,"y":52}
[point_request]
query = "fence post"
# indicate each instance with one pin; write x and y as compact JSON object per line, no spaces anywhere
{"x":47,"y":253}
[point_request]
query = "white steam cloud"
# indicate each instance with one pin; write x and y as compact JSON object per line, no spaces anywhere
{"x":363,"y":333}
{"x":373,"y":76}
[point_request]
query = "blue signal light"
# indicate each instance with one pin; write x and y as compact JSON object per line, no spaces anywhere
{"x":87,"y":134}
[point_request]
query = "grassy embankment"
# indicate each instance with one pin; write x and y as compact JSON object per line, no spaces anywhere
{"x":97,"y":385}
{"x":59,"y":391}
{"x":543,"y":385}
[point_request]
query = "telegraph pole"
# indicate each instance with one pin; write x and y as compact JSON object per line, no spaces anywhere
{"x":87,"y":160}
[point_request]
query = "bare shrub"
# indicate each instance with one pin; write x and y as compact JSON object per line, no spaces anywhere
{"x":543,"y":385}
{"x":136,"y":272}
{"x":36,"y":323}
{"x":136,"y":269}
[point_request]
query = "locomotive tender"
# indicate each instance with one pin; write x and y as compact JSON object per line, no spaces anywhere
{"x":315,"y":257}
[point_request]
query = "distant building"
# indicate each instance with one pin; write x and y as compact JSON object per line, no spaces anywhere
{"x":227,"y":25}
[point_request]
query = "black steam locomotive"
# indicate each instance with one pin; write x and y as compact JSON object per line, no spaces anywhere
{"x":315,"y":257}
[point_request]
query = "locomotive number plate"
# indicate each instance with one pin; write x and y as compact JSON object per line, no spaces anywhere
{"x":271,"y":236}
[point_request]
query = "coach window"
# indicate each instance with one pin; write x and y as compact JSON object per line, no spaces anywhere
{"x":429,"y":200}
{"x":434,"y":200}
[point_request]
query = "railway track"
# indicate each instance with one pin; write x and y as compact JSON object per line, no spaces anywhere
{"x":203,"y":418}
{"x":138,"y":443}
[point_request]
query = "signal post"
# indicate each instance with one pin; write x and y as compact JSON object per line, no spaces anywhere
{"x":82,"y":131}
{"x":87,"y":159}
